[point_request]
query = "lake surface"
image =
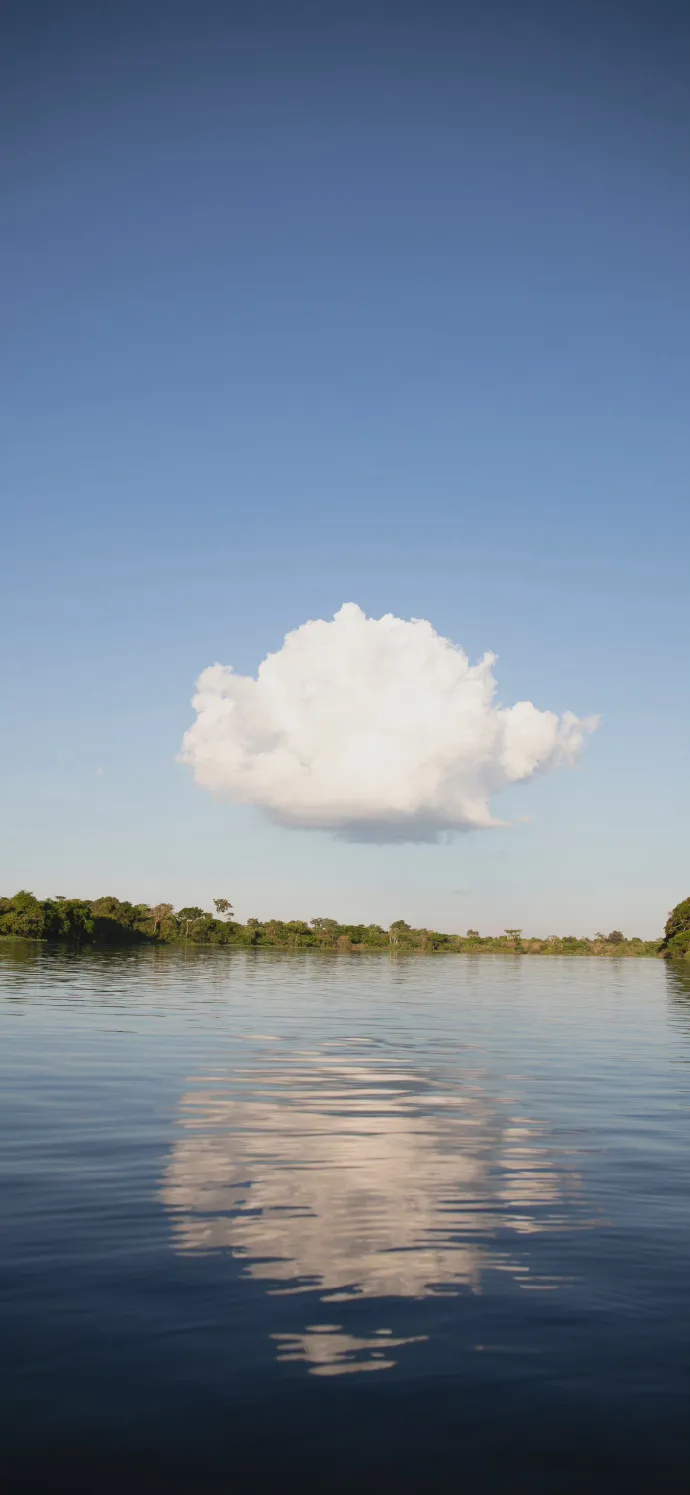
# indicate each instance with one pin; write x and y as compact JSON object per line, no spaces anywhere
{"x":344,"y":1222}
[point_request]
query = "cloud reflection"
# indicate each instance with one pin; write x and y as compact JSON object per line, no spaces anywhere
{"x":359,"y":1179}
{"x":329,"y":1351}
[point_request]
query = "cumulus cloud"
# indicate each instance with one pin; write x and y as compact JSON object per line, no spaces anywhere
{"x":376,"y":729}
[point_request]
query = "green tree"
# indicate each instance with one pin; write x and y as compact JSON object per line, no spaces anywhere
{"x":23,"y":916}
{"x":676,"y":942}
{"x":678,"y":920}
{"x":188,"y":916}
{"x":223,"y":908}
{"x":255,"y":930}
{"x":326,"y":931}
{"x":68,"y":919}
{"x":678,"y":947}
{"x":159,"y":912}
{"x":109,"y":907}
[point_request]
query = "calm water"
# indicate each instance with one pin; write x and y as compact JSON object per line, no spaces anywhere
{"x":344,"y":1222}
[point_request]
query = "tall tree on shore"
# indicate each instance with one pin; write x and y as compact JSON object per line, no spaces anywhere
{"x":189,"y":916}
{"x":677,"y":933}
{"x":160,"y":912}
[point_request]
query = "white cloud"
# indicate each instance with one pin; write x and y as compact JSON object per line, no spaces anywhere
{"x":376,"y":729}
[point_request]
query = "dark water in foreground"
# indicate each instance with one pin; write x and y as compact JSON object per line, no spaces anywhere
{"x":344,"y":1223}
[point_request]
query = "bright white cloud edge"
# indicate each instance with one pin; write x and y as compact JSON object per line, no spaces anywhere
{"x":377,"y":729}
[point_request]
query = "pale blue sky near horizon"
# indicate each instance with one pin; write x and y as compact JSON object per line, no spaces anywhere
{"x":306,"y":305}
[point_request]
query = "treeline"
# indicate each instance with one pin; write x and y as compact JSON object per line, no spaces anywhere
{"x":111,"y":921}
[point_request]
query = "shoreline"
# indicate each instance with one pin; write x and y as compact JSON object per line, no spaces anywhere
{"x":232,"y":946}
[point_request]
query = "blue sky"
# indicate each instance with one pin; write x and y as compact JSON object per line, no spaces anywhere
{"x":314,"y":304}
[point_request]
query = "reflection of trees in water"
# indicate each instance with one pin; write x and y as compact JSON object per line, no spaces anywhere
{"x":358,"y":1180}
{"x":15,"y":954}
{"x":678,"y":988}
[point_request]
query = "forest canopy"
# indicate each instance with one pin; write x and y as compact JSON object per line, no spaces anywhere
{"x":114,"y":921}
